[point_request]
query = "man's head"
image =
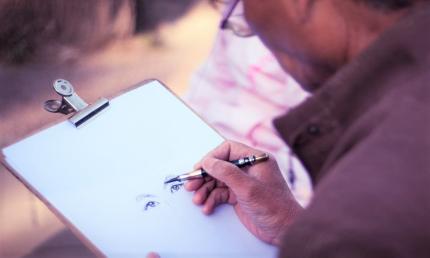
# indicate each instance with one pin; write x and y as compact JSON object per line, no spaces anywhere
{"x":312,"y":39}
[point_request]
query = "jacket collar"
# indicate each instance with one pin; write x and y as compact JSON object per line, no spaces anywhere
{"x":316,"y":128}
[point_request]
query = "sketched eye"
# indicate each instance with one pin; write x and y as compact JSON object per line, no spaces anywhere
{"x":175,"y":188}
{"x":148,"y":200}
{"x":151,"y":204}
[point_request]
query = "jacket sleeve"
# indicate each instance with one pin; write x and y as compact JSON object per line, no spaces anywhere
{"x":375,"y":201}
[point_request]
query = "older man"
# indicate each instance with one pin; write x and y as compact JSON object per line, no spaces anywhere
{"x":363,"y":135}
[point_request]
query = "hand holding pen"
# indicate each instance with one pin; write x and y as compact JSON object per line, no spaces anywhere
{"x":200,"y":173}
{"x":259,"y":194}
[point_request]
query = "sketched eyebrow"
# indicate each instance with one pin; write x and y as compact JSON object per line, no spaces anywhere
{"x":144,"y":196}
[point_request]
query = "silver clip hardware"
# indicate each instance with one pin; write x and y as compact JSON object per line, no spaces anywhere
{"x":72,"y":103}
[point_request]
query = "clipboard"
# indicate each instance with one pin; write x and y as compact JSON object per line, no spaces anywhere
{"x":101,"y":171}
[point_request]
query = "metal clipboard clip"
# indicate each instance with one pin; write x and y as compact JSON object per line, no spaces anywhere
{"x":71,"y":102}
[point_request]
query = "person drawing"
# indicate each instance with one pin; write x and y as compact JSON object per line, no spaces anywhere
{"x":362,"y":135}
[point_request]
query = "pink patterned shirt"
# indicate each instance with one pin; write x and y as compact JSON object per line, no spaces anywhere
{"x":239,"y":90}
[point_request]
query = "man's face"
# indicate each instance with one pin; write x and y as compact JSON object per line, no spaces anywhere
{"x":306,"y":40}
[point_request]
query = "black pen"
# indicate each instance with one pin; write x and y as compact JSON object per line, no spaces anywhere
{"x":200,"y":173}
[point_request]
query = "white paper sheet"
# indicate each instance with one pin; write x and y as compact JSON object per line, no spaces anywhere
{"x":107,"y":178}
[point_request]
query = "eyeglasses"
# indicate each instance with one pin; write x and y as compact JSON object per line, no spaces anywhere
{"x":234,"y":20}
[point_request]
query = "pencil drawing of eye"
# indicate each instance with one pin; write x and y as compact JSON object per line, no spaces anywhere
{"x":176,"y":187}
{"x":148,"y":200}
{"x":150,"y":204}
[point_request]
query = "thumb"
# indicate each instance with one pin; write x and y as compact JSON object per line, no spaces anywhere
{"x":227,"y":173}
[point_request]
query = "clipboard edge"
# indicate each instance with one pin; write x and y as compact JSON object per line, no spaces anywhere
{"x":36,"y":193}
{"x":64,"y":118}
{"x":189,"y":107}
{"x":54,"y":210}
{"x":51,"y":207}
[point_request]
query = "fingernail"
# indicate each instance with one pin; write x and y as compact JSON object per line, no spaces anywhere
{"x":206,"y":210}
{"x":153,"y":255}
{"x":196,"y":199}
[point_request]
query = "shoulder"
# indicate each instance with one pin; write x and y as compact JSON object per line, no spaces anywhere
{"x":374,"y":200}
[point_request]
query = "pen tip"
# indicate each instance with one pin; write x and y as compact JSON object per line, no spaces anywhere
{"x":171,"y":180}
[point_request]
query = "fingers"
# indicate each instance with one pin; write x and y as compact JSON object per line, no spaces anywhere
{"x":230,"y":180}
{"x":225,"y":152}
{"x":216,"y":197}
{"x":194,"y":184}
{"x":203,"y":192}
{"x":152,"y":255}
{"x":221,"y":152}
{"x":230,"y":150}
{"x":227,"y":173}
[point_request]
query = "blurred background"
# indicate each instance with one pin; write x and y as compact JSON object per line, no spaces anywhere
{"x":102,"y":47}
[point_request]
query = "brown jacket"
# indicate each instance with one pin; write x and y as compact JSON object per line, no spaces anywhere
{"x":364,"y":136}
